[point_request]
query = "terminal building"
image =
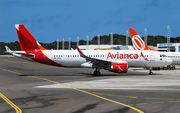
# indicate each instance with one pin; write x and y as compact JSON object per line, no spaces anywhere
{"x":174,"y":47}
{"x":96,"y":47}
{"x":105,"y":47}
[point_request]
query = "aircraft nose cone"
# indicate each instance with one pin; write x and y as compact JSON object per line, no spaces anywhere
{"x":169,"y":61}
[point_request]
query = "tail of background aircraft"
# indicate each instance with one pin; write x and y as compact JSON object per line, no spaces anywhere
{"x":8,"y":50}
{"x":137,"y":41}
{"x":26,"y":40}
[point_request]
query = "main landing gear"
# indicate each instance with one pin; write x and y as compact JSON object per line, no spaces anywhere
{"x":97,"y":72}
{"x":150,"y":71}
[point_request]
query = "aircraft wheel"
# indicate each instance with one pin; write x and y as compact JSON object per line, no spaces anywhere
{"x":151,"y":73}
{"x":95,"y":73}
{"x":98,"y":73}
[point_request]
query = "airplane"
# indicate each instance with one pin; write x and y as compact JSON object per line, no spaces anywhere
{"x":113,"y":60}
{"x":139,"y":44}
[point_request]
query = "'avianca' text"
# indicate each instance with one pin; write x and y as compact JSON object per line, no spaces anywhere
{"x":122,"y":56}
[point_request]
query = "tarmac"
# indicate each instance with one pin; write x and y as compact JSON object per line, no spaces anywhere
{"x":29,"y":87}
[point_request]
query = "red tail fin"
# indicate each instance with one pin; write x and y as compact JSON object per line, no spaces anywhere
{"x":137,"y":41}
{"x":26,"y":40}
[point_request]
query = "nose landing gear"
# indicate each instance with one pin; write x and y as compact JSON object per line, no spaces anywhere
{"x":150,"y":71}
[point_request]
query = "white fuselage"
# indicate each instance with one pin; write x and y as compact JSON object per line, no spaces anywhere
{"x":71,"y":58}
{"x":174,"y":56}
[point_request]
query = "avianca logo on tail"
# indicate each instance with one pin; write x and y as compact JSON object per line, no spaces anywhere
{"x":122,"y":56}
{"x":138,"y":42}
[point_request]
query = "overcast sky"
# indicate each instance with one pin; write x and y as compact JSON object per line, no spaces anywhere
{"x":49,"y":20}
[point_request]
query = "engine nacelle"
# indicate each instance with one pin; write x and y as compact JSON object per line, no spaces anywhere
{"x":87,"y":65}
{"x":119,"y":67}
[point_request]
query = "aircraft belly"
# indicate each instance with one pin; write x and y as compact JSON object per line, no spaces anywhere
{"x":176,"y":62}
{"x":135,"y":64}
{"x":69,"y":63}
{"x":157,"y":64}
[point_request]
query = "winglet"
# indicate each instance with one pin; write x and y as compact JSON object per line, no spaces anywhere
{"x":80,"y":52}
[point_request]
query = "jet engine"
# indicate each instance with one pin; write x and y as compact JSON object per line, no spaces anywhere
{"x":87,"y":65}
{"x":119,"y":67}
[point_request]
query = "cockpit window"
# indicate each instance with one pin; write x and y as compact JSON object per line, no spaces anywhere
{"x":163,"y":56}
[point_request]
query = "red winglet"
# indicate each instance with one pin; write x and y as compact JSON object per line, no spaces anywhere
{"x":79,"y":50}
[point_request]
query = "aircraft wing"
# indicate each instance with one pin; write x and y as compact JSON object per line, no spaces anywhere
{"x":96,"y":62}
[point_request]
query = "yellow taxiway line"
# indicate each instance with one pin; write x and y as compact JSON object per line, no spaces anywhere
{"x":18,"y":110}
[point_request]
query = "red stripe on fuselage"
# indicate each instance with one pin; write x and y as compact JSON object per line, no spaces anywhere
{"x":41,"y":58}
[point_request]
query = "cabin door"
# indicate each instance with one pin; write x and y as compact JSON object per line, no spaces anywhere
{"x":152,"y":57}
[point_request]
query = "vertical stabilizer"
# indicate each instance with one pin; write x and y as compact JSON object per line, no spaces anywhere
{"x":26,"y":40}
{"x":137,"y":41}
{"x":8,"y":50}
